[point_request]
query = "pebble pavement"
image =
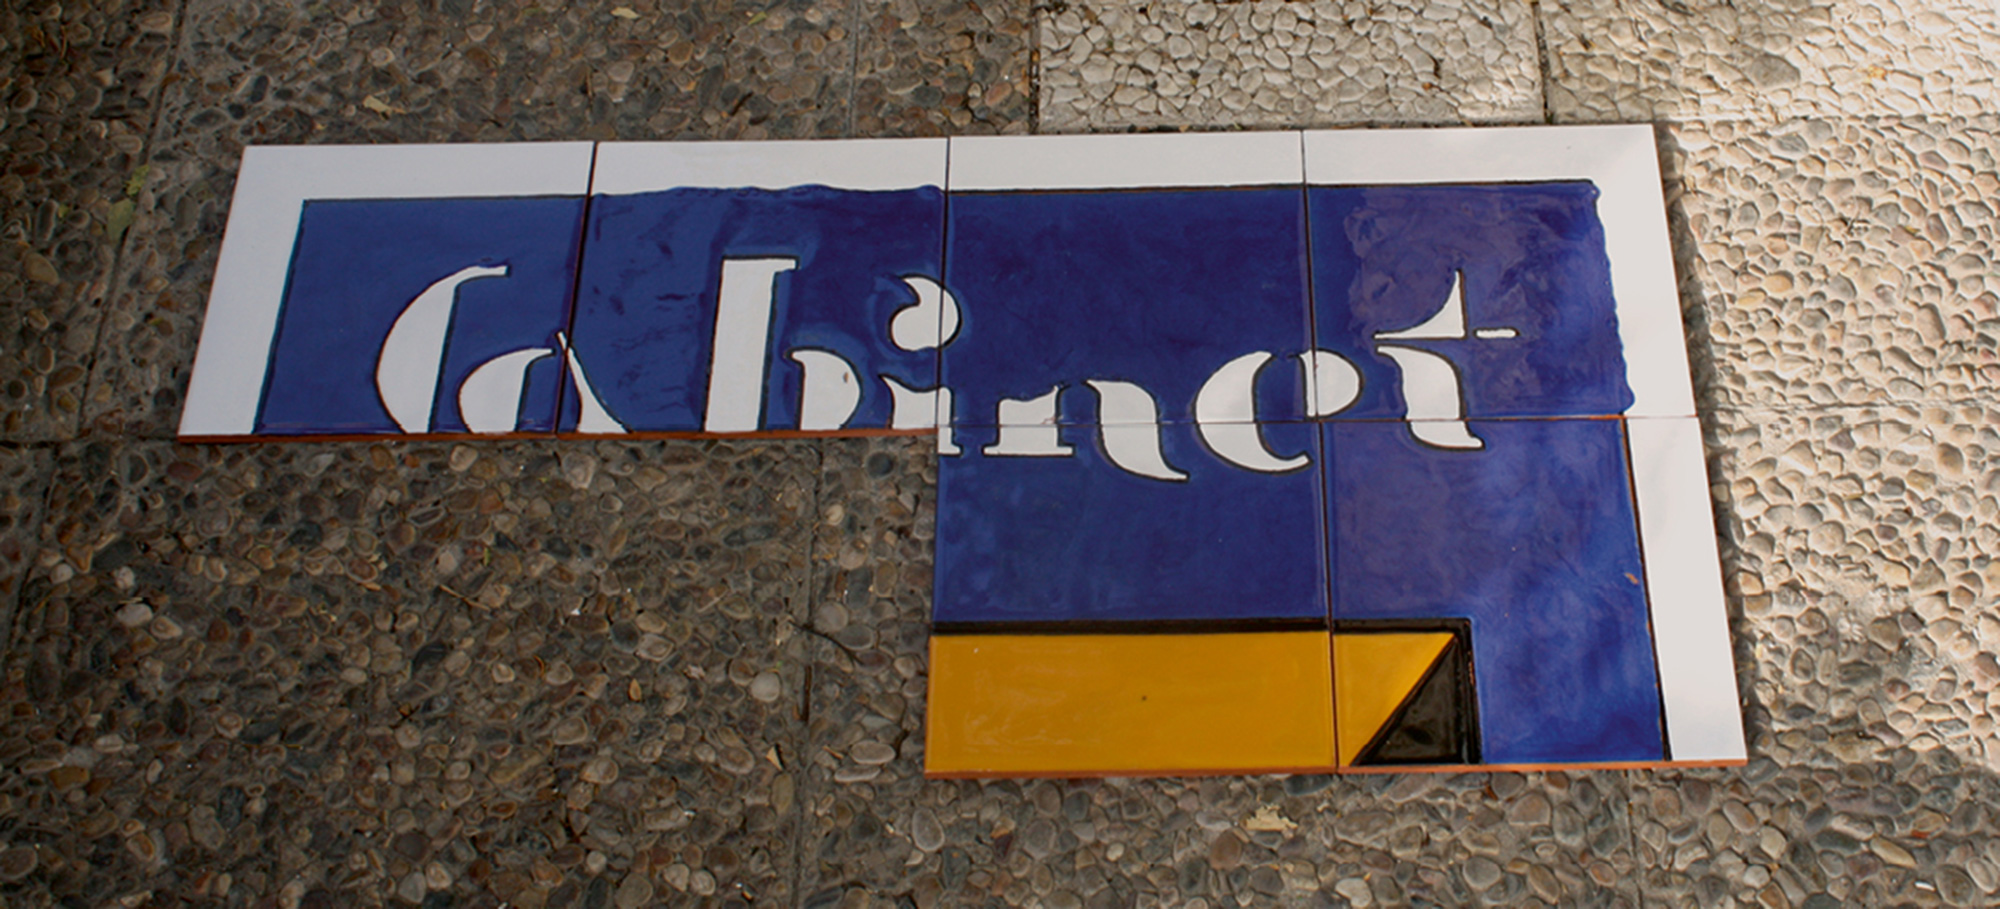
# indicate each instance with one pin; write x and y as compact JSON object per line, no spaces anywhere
{"x":1275,"y":63}
{"x":679,"y":673}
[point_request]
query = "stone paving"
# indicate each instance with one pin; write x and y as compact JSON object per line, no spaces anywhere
{"x":632,"y":674}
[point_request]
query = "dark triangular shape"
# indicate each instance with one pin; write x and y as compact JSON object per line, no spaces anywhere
{"x":1435,"y":724}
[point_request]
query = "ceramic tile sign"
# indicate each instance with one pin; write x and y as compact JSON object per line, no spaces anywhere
{"x":731,"y":288}
{"x":1258,"y":452}
{"x":392,"y":290}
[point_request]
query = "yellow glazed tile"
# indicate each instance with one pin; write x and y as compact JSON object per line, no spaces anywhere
{"x":1376,"y":674}
{"x":1010,"y":705}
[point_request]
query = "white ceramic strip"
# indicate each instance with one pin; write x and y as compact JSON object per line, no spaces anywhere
{"x":1133,"y":161}
{"x":256,"y":257}
{"x":1621,"y":160}
{"x":1684,"y":582}
{"x":864,"y":164}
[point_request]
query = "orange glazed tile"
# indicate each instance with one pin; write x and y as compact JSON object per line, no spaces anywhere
{"x":1379,"y":672}
{"x":1112,"y":705}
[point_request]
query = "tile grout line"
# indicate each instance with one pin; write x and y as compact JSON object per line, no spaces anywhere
{"x":568,"y":336}
{"x":19,"y":606}
{"x":944,"y":416}
{"x":1834,"y":409}
{"x":1035,"y":13}
{"x":180,"y":53}
{"x":1542,"y":59}
{"x":1324,"y":466}
{"x":1632,"y":482}
{"x":1659,"y":684}
{"x":802,"y":715}
{"x":1632,"y":834}
{"x":1745,"y":120}
{"x":853,"y":63}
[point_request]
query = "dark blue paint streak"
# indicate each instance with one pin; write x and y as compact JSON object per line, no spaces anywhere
{"x":1076,"y":538}
{"x":360,"y":262}
{"x":1534,"y":260}
{"x":1157,"y":287}
{"x":647,"y":300}
{"x":1534,"y":540}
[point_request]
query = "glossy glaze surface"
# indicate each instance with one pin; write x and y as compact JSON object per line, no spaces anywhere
{"x":1110,"y":704}
{"x":1533,"y":540}
{"x":1401,"y":394}
{"x":1374,"y":675}
{"x":358,"y":266}
{"x":1040,"y":539}
{"x":1157,"y":287}
{"x":647,"y":297}
{"x":1538,"y":333}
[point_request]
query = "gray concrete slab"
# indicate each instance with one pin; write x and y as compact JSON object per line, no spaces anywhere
{"x":1838,"y":262}
{"x":1612,"y":60}
{"x":1147,"y":65}
{"x":82,"y":83}
{"x":558,"y":674}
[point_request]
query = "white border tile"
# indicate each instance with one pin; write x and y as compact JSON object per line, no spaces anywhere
{"x":256,"y":257}
{"x":1684,"y":583}
{"x":1125,"y":161}
{"x":864,"y":164}
{"x":1624,"y":163}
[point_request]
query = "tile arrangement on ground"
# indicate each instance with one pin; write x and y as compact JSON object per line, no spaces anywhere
{"x":1259,"y":452}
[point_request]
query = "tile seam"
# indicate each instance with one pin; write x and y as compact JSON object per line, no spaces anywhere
{"x":563,"y":377}
{"x":802,"y":715}
{"x":1329,"y":584}
{"x":1632,"y":488}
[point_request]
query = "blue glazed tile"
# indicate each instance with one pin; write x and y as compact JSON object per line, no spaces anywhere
{"x":361,"y":265}
{"x":1508,"y":283}
{"x":1160,"y":288}
{"x":830,"y":269}
{"x":1532,"y":539}
{"x":1093,"y":536}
